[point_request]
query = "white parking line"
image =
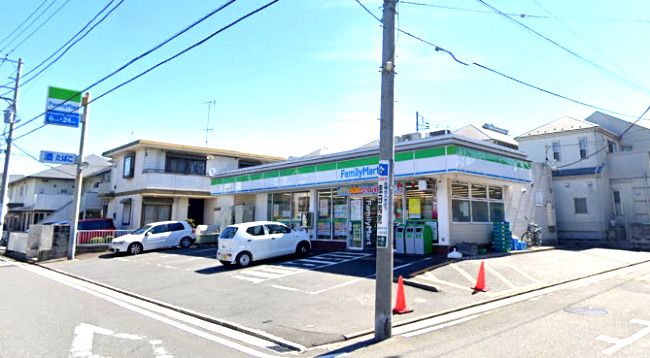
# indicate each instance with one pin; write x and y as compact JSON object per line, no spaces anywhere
{"x":283,"y":270}
{"x":251,"y":279}
{"x":314,"y":261}
{"x":262,"y":274}
{"x":469,"y":278}
{"x":499,"y":276}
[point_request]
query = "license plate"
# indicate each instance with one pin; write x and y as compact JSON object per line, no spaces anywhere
{"x":223,"y":257}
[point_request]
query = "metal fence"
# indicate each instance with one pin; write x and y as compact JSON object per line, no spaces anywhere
{"x":98,"y":237}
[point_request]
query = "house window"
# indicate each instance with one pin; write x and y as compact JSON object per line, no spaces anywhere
{"x":618,"y":207}
{"x":478,"y":203}
{"x":626,"y":148}
{"x":580,"y":205}
{"x":126,"y":212}
{"x":156,"y":209}
{"x":611,"y":146}
{"x":582,"y":143}
{"x":129,"y":166}
{"x":556,"y":151}
{"x":184,"y":164}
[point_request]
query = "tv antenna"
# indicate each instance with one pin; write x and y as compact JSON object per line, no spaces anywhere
{"x":207,"y":124}
{"x":420,"y":122}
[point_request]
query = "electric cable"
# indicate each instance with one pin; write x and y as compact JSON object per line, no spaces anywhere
{"x":566,"y":49}
{"x":39,"y":26}
{"x":29,"y":25}
{"x":180,"y":53}
{"x":89,"y":23}
{"x":469,"y":63}
{"x":526,"y":16}
{"x":24,"y":21}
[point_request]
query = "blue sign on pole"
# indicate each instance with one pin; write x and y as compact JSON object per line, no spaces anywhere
{"x":58,"y":157}
{"x":62,"y":118}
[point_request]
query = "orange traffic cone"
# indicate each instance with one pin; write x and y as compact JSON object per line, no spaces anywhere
{"x":400,"y":302}
{"x":480,"y":280}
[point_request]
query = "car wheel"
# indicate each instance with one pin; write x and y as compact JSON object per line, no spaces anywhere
{"x":303,"y":249}
{"x":225,"y":263}
{"x":244,"y":259}
{"x":185,"y":243}
{"x":135,"y":248}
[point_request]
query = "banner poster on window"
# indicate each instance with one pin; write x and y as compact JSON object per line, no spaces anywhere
{"x":340,"y":211}
{"x":276,"y":210}
{"x":324,"y":208}
{"x":340,"y":228}
{"x":415,"y":211}
{"x":355,"y":209}
{"x":324,"y":227}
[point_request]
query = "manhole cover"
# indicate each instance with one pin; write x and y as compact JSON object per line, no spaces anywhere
{"x":586,"y":310}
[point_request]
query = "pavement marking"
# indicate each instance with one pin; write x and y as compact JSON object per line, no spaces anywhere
{"x":314,"y":261}
{"x":467,"y":276}
{"x":152,"y":311}
{"x":620,"y":343}
{"x":122,"y":259}
{"x":522,"y":272}
{"x":82,"y":342}
{"x":500,"y":277}
{"x":285,"y":288}
{"x":261,"y":274}
{"x":431,"y":277}
{"x":440,"y":326}
{"x":276,"y":269}
{"x":251,"y":279}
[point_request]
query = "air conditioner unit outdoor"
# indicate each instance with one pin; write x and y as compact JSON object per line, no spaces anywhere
{"x":410,"y":137}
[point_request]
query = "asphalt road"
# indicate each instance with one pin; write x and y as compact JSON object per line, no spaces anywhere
{"x":45,"y":314}
{"x":604,"y":316}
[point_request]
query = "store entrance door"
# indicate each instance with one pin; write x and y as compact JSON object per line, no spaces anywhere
{"x":363,"y":218}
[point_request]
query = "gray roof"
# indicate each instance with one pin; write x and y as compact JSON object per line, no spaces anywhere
{"x":96,"y":166}
{"x":471,"y":131}
{"x":559,"y":125}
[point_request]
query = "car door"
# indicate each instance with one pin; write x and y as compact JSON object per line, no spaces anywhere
{"x":156,"y":237}
{"x":175,"y":234}
{"x":282,"y":240}
{"x":259,"y":242}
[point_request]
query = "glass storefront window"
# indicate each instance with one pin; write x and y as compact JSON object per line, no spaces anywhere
{"x":420,"y":204}
{"x":300,"y":205}
{"x":340,"y":206}
{"x":280,"y":207}
{"x":399,"y":211}
{"x":324,"y":223}
{"x":478,"y":203}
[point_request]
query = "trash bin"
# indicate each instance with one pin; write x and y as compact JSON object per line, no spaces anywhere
{"x":423,"y":240}
{"x":409,"y":240}
{"x":400,"y":247}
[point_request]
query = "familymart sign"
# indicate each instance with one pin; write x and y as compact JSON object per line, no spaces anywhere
{"x":62,"y":108}
{"x":413,"y":163}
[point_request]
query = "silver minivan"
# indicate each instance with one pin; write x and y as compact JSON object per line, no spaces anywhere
{"x":258,"y":240}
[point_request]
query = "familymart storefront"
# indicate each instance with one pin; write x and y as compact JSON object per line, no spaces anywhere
{"x":447,"y":190}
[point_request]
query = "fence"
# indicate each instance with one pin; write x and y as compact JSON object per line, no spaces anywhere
{"x":98,"y":237}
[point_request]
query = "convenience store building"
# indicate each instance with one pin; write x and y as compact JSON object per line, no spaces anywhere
{"x":454,"y":185}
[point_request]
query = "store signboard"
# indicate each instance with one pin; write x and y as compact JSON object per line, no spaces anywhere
{"x":62,"y":107}
{"x":382,"y":203}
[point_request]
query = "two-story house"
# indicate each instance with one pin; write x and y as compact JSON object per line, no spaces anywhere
{"x":600,"y":173}
{"x":47,"y":196}
{"x":154,"y":181}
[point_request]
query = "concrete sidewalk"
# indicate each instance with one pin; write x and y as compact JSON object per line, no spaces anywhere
{"x":315,"y":305}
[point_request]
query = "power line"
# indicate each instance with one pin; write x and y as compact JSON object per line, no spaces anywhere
{"x":24,"y":21}
{"x":566,"y":49}
{"x":30,"y":24}
{"x":180,"y":53}
{"x":526,"y":16}
{"x":469,"y":63}
{"x":71,"y":42}
{"x":133,"y":60}
{"x":39,"y":26}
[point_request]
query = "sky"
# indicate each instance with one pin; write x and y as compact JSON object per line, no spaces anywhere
{"x":303,"y":75}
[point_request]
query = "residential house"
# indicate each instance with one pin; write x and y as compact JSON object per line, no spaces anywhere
{"x":600,"y":173}
{"x":154,"y":181}
{"x":47,"y":196}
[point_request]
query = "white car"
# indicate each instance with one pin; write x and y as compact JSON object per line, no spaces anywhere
{"x":258,"y":240}
{"x":155,"y":236}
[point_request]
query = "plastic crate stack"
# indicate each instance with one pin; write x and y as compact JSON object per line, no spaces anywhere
{"x":501,"y":236}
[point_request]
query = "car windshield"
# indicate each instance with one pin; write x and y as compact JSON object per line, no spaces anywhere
{"x":142,"y":230}
{"x":228,"y":233}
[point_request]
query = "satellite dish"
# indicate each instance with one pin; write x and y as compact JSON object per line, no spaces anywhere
{"x":212,"y":172}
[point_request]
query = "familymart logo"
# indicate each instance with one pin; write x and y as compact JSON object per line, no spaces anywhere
{"x":358,"y":173}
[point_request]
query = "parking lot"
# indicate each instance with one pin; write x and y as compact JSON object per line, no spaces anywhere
{"x":310,"y":301}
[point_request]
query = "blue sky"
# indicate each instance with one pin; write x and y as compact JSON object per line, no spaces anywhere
{"x":303,"y":74}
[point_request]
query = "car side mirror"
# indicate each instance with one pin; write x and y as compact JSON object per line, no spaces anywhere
{"x":148,"y":233}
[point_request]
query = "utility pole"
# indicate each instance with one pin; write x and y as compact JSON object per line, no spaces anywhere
{"x":12,"y":121}
{"x":384,"y":274}
{"x":72,"y":245}
{"x":207,"y":124}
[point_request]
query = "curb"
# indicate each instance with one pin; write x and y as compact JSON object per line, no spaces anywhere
{"x":253,"y":332}
{"x":366,"y":332}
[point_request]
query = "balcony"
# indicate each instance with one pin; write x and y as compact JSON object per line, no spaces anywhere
{"x":104,"y":189}
{"x":158,"y":178}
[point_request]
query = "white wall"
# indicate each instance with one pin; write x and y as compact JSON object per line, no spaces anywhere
{"x":261,"y":207}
